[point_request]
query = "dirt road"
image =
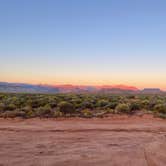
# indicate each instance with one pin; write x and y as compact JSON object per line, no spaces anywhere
{"x":112,"y":141}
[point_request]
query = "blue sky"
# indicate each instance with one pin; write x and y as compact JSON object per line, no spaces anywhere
{"x":83,"y":42}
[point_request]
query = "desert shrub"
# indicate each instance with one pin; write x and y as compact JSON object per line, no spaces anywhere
{"x":44,"y":105}
{"x":155,"y":101}
{"x":135,"y":106}
{"x":131,"y":97}
{"x":160,"y":101}
{"x":2,"y":107}
{"x":8,"y":114}
{"x":114,"y":99}
{"x":123,"y":108}
{"x":87,"y":104}
{"x":152,"y":103}
{"x":100,"y":114}
{"x":112,"y":105}
{"x":10,"y":107}
{"x":52,"y":103}
{"x":19,"y":113}
{"x":26,"y":109}
{"x":87,"y":113}
{"x":66,"y":107}
{"x":30,"y":102}
{"x":45,"y":111}
{"x":112,"y":111}
{"x":145,"y":103}
{"x":38,"y":102}
{"x":2,"y":96}
{"x":30,"y":114}
{"x":102,"y":103}
{"x":160,"y":108}
{"x":13,"y":114}
{"x":58,"y":114}
{"x":161,"y":115}
{"x":76,"y":101}
{"x":34,"y":103}
{"x":123,"y":99}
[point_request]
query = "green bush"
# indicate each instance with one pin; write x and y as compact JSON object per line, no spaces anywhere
{"x":102,"y":103}
{"x":112,"y":111}
{"x":135,"y":106}
{"x":44,"y":111}
{"x":10,"y":107}
{"x":123,"y":108}
{"x":145,"y":103}
{"x":160,"y":108}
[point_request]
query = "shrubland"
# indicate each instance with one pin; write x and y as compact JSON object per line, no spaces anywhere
{"x":79,"y":105}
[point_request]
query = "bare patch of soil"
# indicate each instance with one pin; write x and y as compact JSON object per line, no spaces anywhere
{"x":112,"y":141}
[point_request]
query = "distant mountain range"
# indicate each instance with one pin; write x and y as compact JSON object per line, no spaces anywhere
{"x":26,"y":88}
{"x":30,"y":88}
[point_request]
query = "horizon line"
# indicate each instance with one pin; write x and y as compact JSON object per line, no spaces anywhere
{"x":96,"y":85}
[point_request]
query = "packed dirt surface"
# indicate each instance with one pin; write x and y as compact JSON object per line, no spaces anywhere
{"x":112,"y":141}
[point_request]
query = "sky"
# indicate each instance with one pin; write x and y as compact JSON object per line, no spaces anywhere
{"x":85,"y":42}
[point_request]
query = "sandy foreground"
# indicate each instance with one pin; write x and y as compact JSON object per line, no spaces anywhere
{"x":112,"y":141}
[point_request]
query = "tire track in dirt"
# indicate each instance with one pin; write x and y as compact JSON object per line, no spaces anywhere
{"x":157,"y":131}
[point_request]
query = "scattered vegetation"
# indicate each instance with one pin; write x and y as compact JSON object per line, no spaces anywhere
{"x":81,"y":105}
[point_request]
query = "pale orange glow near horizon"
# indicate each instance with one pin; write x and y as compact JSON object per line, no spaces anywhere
{"x":139,"y":81}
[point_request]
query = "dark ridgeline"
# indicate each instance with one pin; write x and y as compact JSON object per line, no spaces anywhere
{"x":30,"y":88}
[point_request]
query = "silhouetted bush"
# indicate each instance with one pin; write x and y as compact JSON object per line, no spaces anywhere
{"x":66,"y":107}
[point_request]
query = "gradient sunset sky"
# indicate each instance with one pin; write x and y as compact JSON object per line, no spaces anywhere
{"x":92,"y":42}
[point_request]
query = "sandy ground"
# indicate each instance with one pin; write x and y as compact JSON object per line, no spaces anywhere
{"x":112,"y":141}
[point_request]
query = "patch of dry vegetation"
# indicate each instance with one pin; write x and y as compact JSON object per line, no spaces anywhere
{"x":80,"y":105}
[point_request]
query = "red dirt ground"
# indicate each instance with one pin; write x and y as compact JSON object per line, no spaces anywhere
{"x":112,"y":141}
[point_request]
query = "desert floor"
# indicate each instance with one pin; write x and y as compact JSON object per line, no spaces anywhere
{"x":112,"y":141}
